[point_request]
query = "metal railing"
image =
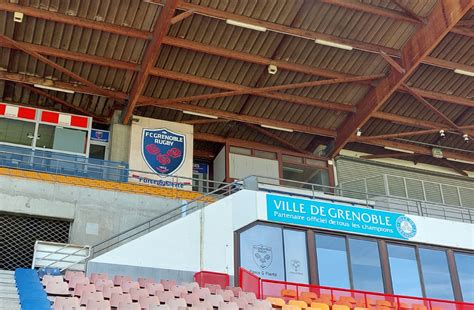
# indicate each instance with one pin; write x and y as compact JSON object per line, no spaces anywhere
{"x":60,"y":255}
{"x":364,"y":199}
{"x":163,"y":219}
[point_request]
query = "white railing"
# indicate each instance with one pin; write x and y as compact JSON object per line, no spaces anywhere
{"x":60,"y":255}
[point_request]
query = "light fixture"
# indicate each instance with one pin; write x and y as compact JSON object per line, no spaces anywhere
{"x":398,"y":150}
{"x":442,"y":133}
{"x":359,"y":132}
{"x":277,"y":128}
{"x":464,"y":72}
{"x":334,"y":44}
{"x":18,"y":17}
{"x":466,"y":137}
{"x":200,"y":114}
{"x":245,"y":25}
{"x":54,"y":88}
{"x":272,"y":69}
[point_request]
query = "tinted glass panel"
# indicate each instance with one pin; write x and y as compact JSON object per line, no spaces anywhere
{"x":61,"y":139}
{"x":16,"y":132}
{"x":436,"y":277}
{"x":261,"y":252}
{"x":332,"y":261}
{"x":465,"y":268}
{"x":365,"y":263}
{"x":404,"y":270}
{"x":296,"y":257}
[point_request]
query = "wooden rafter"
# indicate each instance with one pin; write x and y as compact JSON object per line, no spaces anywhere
{"x":415,"y":49}
{"x":454,"y":167}
{"x":388,"y":155}
{"x":409,"y":133}
{"x":204,"y":121}
{"x":269,"y":89}
{"x":144,"y":35}
{"x":408,"y":11}
{"x":181,"y":16}
{"x":152,"y":52}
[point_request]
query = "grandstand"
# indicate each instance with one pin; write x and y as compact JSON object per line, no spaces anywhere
{"x":236,"y":155}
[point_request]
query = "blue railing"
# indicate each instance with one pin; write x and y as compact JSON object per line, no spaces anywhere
{"x":64,"y":164}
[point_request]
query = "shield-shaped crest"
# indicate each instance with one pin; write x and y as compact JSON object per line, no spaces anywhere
{"x":163,"y":150}
{"x":99,"y":135}
{"x":262,"y":255}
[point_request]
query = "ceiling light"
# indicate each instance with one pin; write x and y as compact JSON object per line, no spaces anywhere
{"x":277,"y":128}
{"x":272,"y":69}
{"x":359,"y":132}
{"x":398,"y":150}
{"x":466,"y":137}
{"x":464,"y":72}
{"x":442,"y":133}
{"x":245,"y":25}
{"x":333,"y":44}
{"x":54,"y":88}
{"x":200,"y":114}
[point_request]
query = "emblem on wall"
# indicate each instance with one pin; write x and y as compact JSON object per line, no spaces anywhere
{"x":163,"y":150}
{"x":295,"y":266}
{"x":406,"y":227}
{"x":262,"y":256}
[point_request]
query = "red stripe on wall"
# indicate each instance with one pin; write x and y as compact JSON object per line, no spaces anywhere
{"x":26,"y":113}
{"x":50,"y":117}
{"x":79,"y":121}
{"x":2,"y":108}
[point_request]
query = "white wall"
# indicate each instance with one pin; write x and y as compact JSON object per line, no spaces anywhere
{"x":219,"y":166}
{"x":242,"y":166}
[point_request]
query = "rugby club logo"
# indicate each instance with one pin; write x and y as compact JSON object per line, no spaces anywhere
{"x":406,"y":227}
{"x":262,"y":256}
{"x":163,"y":150}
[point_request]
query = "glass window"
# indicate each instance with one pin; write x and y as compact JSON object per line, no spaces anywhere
{"x":296,"y":257}
{"x":265,"y":155}
{"x":261,"y":252}
{"x":292,"y":159}
{"x":436,"y":276}
{"x":315,"y":162}
{"x":404,"y":270}
{"x":465,"y":269}
{"x":16,"y":132}
{"x":61,"y":139}
{"x":332,"y":261}
{"x":305,"y":174}
{"x":365,"y":263}
{"x":240,"y":150}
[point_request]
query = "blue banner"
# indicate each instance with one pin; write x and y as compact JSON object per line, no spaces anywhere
{"x":334,"y":216}
{"x":100,"y":135}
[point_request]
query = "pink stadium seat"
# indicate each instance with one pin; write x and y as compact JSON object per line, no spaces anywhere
{"x":203,"y":304}
{"x":118,"y":279}
{"x":136,"y":293}
{"x":165,"y":296}
{"x":127,"y":285}
{"x":81,"y":288}
{"x":154,"y":287}
{"x":177,"y":290}
{"x":159,"y":307}
{"x":213,"y":287}
{"x":215,"y":300}
{"x":249,"y":296}
{"x":144,"y":281}
{"x":78,"y":280}
{"x":94,"y":296}
{"x":117,"y":298}
{"x":70,"y":274}
{"x":49,"y":278}
{"x":54,"y":288}
{"x":228,"y":306}
{"x":177,"y":303}
{"x":59,"y":302}
{"x":226,"y":294}
{"x":96,"y":276}
{"x":235,"y":290}
{"x":147,"y":301}
{"x":262,"y":304}
{"x":190,"y":298}
{"x":129,"y":306}
{"x":190,"y":286}
{"x":101,"y":283}
{"x":167,"y":284}
{"x":241,"y":302}
{"x":98,"y":305}
{"x":202,"y":292}
{"x":108,"y":291}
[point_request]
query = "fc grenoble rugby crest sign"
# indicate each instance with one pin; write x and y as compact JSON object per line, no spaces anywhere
{"x":163,"y":150}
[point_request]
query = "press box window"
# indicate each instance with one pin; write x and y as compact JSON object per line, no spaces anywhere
{"x":61,"y":139}
{"x":17,"y":132}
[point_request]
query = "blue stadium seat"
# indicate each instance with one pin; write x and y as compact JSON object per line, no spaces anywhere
{"x":35,"y":304}
{"x":30,"y":290}
{"x":48,"y":271}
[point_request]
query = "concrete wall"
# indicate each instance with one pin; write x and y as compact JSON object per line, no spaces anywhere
{"x":119,"y":142}
{"x":95,"y":214}
{"x":219,"y":166}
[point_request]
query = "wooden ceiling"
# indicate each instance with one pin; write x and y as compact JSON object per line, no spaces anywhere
{"x":396,"y":85}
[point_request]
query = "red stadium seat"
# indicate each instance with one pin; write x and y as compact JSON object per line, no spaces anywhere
{"x":57,"y":289}
{"x":127,"y":285}
{"x":167,"y":284}
{"x":108,"y":291}
{"x":136,"y":293}
{"x":117,"y":298}
{"x":153,"y":288}
{"x":147,"y":301}
{"x":82,"y":288}
{"x":118,"y":279}
{"x":98,"y":305}
{"x":94,"y":296}
{"x":96,"y":276}
{"x":59,"y":302}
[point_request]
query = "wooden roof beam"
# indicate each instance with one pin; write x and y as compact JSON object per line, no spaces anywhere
{"x":408,"y":11}
{"x":415,"y":49}
{"x":181,"y":16}
{"x":152,"y":52}
{"x":409,"y":133}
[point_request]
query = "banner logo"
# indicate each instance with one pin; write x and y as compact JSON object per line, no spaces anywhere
{"x":163,"y":150}
{"x":406,"y":227}
{"x":262,"y":255}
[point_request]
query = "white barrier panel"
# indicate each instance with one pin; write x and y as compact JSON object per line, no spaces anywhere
{"x":60,"y":255}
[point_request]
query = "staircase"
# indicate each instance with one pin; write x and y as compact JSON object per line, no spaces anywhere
{"x":8,"y":295}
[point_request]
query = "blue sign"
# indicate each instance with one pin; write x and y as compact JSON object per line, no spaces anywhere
{"x":201,"y":168}
{"x":100,"y":135}
{"x":163,"y":150}
{"x":334,"y":216}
